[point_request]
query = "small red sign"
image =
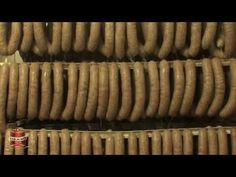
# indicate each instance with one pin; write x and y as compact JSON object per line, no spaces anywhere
{"x":18,"y":137}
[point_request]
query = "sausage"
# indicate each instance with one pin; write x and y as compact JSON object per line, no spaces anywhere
{"x":85,"y":143}
{"x":233,"y":141}
{"x":180,"y":35}
{"x":177,"y":142}
{"x":167,"y":143}
{"x":126,"y":95}
{"x":151,"y":38}
{"x":113,"y":100}
{"x":120,"y":39}
{"x":12,"y":91}
{"x":75,"y":143}
{"x":143,"y":143}
{"x":32,"y":143}
{"x":19,"y":150}
{"x":119,"y":144}
{"x":208,"y":89}
{"x":190,"y":87}
{"x":132,"y":144}
{"x":140,"y":96}
{"x":27,"y":37}
{"x":212,"y":142}
{"x":94,"y":36}
{"x":46,"y":91}
{"x":54,"y":47}
{"x":209,"y":35}
{"x":40,"y":36}
{"x":15,"y":37}
{"x":132,"y":39}
{"x":164,"y":88}
{"x":92,"y":102}
{"x":187,"y":142}
{"x":222,"y":141}
{"x":108,"y":47}
{"x":33,"y":91}
{"x":65,"y":142}
{"x":4,"y":79}
{"x":229,"y":107}
{"x":72,"y":92}
{"x":97,"y":145}
{"x":80,"y":37}
{"x":22,"y":91}
{"x":83,"y":85}
{"x":220,"y":42}
{"x":109,"y":147}
{"x":3,"y":38}
{"x":229,"y":31}
{"x":219,"y":79}
{"x":168,"y":39}
{"x":54,"y":143}
{"x":103,"y":91}
{"x":156,"y":143}
{"x":42,"y":142}
{"x":66,"y":39}
{"x":195,"y":44}
{"x":202,"y":142}
{"x":8,"y":148}
{"x":57,"y":103}
{"x":179,"y":82}
{"x":36,"y":50}
{"x":153,"y":78}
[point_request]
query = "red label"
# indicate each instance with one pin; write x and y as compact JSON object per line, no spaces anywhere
{"x":18,"y":137}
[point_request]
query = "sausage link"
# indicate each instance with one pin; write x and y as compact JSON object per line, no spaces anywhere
{"x":22,"y":91}
{"x":27,"y":37}
{"x":156,"y":143}
{"x":94,"y":36}
{"x":113,"y":101}
{"x":15,"y":37}
{"x":54,"y":143}
{"x":119,"y":144}
{"x":180,"y":35}
{"x":72,"y":92}
{"x":132,"y":39}
{"x":120,"y":39}
{"x":3,"y":38}
{"x":154,"y":85}
{"x":151,"y":39}
{"x":42,"y":142}
{"x":12,"y":91}
{"x":190,"y":87}
{"x":219,"y":78}
{"x":66,"y":39}
{"x":92,"y":102}
{"x":233,"y":141}
{"x":209,"y":35}
{"x":179,"y":82}
{"x":229,"y":108}
{"x":212,"y":142}
{"x":202,"y":142}
{"x":57,"y":103}
{"x":126,"y":95}
{"x":85,"y":143}
{"x":75,"y":143}
{"x":132,"y":144}
{"x":80,"y":37}
{"x":164,"y":88}
{"x":139,"y":103}
{"x":208,"y":89}
{"x":229,"y":31}
{"x":33,"y":91}
{"x":40,"y":37}
{"x":143,"y":143}
{"x":177,"y":142}
{"x":103,"y":91}
{"x":167,"y":143}
{"x":54,"y":48}
{"x":110,"y":148}
{"x":65,"y":142}
{"x":187,"y":142}
{"x":32,"y":143}
{"x":8,"y":148}
{"x":97,"y":145}
{"x":46,"y":91}
{"x":222,"y":141}
{"x":83,"y":86}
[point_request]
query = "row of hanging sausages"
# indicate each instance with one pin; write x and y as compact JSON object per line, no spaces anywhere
{"x":210,"y":141}
{"x":119,"y":39}
{"x":112,"y":91}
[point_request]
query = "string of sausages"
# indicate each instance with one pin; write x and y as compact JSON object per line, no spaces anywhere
{"x":120,"y":39}
{"x":116,"y":91}
{"x":208,"y":141}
